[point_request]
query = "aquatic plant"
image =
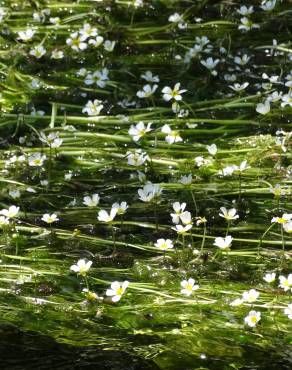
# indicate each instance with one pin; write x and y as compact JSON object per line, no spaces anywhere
{"x":146,"y":178}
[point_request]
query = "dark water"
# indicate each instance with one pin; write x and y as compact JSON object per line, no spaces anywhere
{"x":28,"y":350}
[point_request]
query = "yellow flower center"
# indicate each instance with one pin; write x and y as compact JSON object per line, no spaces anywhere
{"x":282,"y":220}
{"x":119,"y":291}
{"x":76,"y":42}
{"x":189,"y":287}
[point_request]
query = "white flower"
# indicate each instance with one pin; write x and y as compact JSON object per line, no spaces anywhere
{"x":223,"y":243}
{"x":288,"y":227}
{"x":188,"y":286}
{"x":82,"y":72}
{"x":180,"y":229}
{"x":98,"y":77}
{"x":35,"y":84}
{"x":286,"y":217}
{"x":38,"y":51}
{"x":11,"y":212}
{"x":57,"y":54}
{"x":210,"y":64}
{"x":138,"y":131}
{"x":263,"y":108}
{"x":14,"y":193}
{"x":96,"y":42}
{"x":239,"y":87}
{"x":120,"y":207}
{"x":91,"y":201}
{"x":178,"y":208}
{"x":93,"y":108}
{"x":175,"y":18}
{"x":52,"y":140}
{"x":55,"y":20}
{"x":212,"y":149}
{"x":247,"y":24}
{"x":242,"y":61}
{"x":49,"y":219}
{"x":272,"y":79}
{"x":87,"y":31}
{"x":26,"y":35}
{"x":227,"y":171}
{"x":242,"y":167}
{"x":186,"y":218}
{"x":137,"y":158}
{"x":148,"y":76}
{"x":186,"y":180}
{"x":270,"y":277}
{"x":76,"y":42}
{"x":48,"y":139}
{"x":91,"y":296}
{"x":286,"y":282}
{"x":252,"y":318}
{"x":230,"y":78}
{"x":40,"y":16}
{"x":104,"y":216}
{"x":138,"y":3}
{"x":289,"y":80}
{"x":81,"y":267}
{"x":275,"y":96}
{"x":200,"y":220}
{"x":243,"y":10}
{"x":277,"y":190}
{"x":236,"y":302}
{"x":164,"y":244}
{"x":4,"y":221}
{"x":36,"y":160}
{"x":117,"y":290}
{"x":68,"y":175}
{"x":172,"y":135}
{"x":147,"y":91}
{"x":175,"y":93}
{"x":56,"y":143}
{"x":109,"y":45}
{"x":269,"y":5}
{"x":149,"y":192}
{"x":201,"y":161}
{"x":230,"y":214}
{"x":288,"y":311}
{"x":2,"y":14}
{"x":202,"y":41}
{"x":287,"y":100}
{"x":250,"y":296}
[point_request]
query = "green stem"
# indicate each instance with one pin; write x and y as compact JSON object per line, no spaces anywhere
{"x":203,"y":240}
{"x":50,"y":166}
{"x":86,"y":282}
{"x":228,"y":226}
{"x":156,"y":216}
{"x":239,"y":195}
{"x":114,"y":239}
{"x":283,"y":240}
{"x":262,"y":237}
{"x":195,"y":203}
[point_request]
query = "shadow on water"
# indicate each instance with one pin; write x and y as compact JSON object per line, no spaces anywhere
{"x":21,"y":350}
{"x":28,"y":350}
